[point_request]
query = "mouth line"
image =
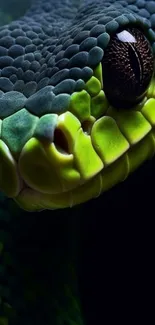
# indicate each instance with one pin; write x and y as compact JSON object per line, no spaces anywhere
{"x":140,"y":148}
{"x":102,"y":145}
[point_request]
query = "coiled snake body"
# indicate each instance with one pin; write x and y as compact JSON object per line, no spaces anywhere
{"x":77,"y":102}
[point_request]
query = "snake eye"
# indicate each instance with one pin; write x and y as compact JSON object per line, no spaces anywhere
{"x":127,"y":68}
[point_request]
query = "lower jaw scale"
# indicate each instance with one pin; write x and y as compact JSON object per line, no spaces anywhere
{"x":45,"y":178}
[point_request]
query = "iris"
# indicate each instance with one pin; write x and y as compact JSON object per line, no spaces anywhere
{"x":127,"y":67}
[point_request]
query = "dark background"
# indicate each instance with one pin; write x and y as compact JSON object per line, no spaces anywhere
{"x":116,"y":261}
{"x":117,"y":269}
{"x":12,"y":9}
{"x":117,"y":239}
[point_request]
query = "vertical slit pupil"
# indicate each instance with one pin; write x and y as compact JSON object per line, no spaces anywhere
{"x":135,"y":63}
{"x":128,"y":66}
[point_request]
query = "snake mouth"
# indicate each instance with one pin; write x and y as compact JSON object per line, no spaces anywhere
{"x":75,"y":156}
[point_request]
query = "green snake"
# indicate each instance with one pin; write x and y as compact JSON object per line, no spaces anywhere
{"x":77,"y":96}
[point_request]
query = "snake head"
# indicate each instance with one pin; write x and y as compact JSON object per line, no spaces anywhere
{"x":90,"y":126}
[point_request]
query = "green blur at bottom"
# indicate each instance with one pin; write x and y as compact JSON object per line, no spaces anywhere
{"x":40,"y":272}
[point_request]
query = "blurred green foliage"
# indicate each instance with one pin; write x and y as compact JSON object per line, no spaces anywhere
{"x":12,"y":9}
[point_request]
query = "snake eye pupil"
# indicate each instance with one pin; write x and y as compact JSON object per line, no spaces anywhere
{"x":127,"y":68}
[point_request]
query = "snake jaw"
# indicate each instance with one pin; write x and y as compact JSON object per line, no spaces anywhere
{"x":79,"y":153}
{"x":78,"y":147}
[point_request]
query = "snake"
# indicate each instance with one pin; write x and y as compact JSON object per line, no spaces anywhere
{"x":77,"y":97}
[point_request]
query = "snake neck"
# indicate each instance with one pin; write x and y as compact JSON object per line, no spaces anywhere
{"x":39,"y":274}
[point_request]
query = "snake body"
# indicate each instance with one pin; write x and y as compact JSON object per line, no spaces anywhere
{"x":61,"y":141}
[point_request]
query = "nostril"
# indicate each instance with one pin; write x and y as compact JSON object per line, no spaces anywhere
{"x":87,"y":125}
{"x":60,"y":142}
